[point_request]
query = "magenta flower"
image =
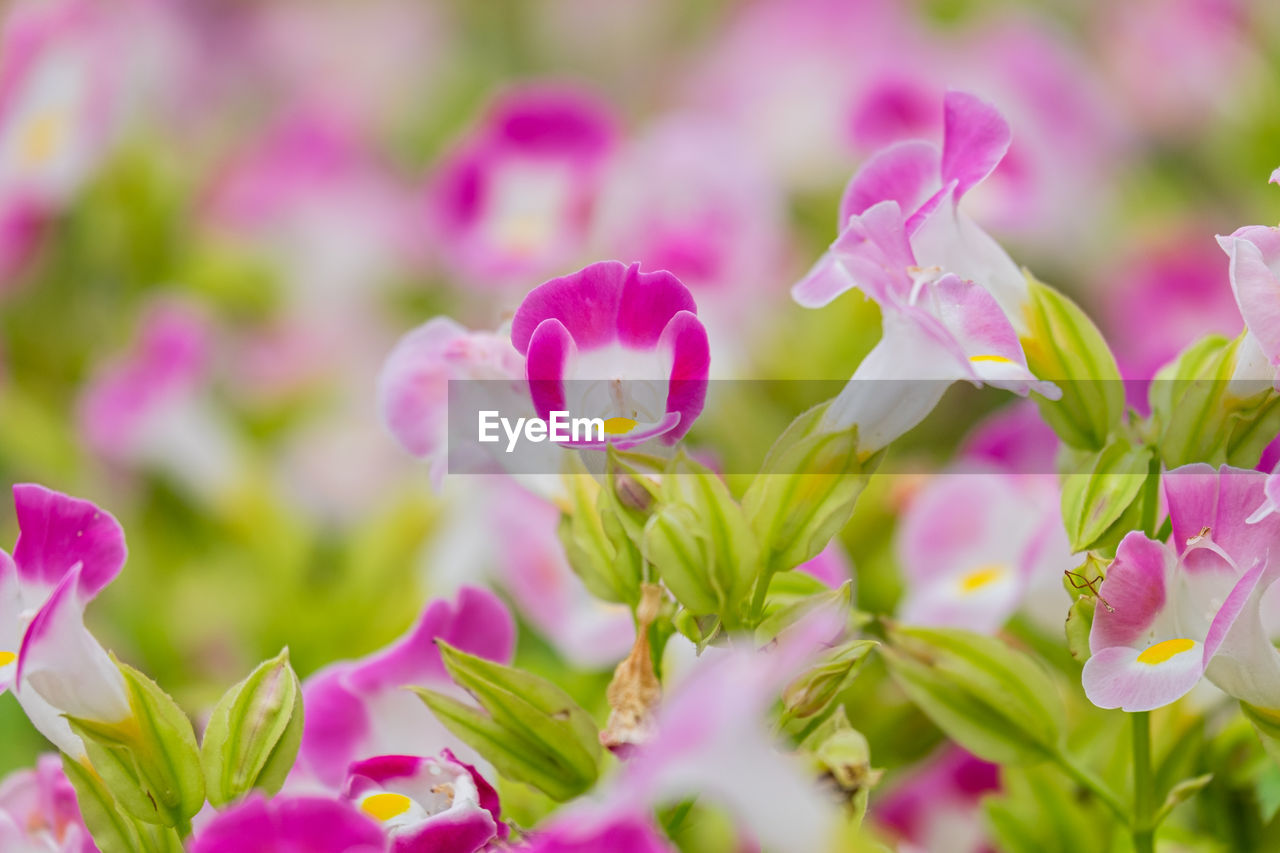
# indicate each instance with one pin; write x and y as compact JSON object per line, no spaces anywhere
{"x":1190,"y":608}
{"x":39,"y":812}
{"x":951,"y":299}
{"x":413,"y":387}
{"x":937,"y":806}
{"x":67,"y":551}
{"x":513,"y":200}
{"x":612,"y":342}
{"x":289,"y":824}
{"x":427,"y":805}
{"x":360,"y":709}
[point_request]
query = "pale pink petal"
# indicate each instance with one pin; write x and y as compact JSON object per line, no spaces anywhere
{"x":1115,"y":678}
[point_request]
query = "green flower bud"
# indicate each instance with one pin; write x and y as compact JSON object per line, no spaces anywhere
{"x":1100,"y":507}
{"x":253,"y":735}
{"x":994,"y":701}
{"x":527,"y":727}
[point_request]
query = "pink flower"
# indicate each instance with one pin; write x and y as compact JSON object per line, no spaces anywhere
{"x":628,"y":834}
{"x":688,"y":198}
{"x":936,"y":806}
{"x":951,"y":299}
{"x":413,"y":387}
{"x":612,"y":342}
{"x":67,"y":551}
{"x":1254,"y":251}
{"x":513,"y":199}
{"x":427,"y":805}
{"x":360,"y":709}
{"x":289,"y":824}
{"x":39,"y":812}
{"x":1189,"y":608}
{"x":57,"y":105}
{"x":149,"y":408}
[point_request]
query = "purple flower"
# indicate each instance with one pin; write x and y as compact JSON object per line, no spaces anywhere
{"x":612,"y":342}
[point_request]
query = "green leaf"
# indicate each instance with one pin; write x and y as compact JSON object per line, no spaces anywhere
{"x":112,"y":831}
{"x":253,"y":734}
{"x":1037,"y":811}
{"x":700,"y":543}
{"x":992,"y":700}
{"x":529,"y":728}
{"x":1093,"y":503}
{"x":1179,"y":794}
{"x":814,"y":691}
{"x":149,"y":762}
{"x":806,"y":491}
{"x":1063,"y":345}
{"x":1078,"y":626}
{"x":592,"y":545}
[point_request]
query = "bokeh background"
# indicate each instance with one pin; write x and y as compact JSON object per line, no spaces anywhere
{"x":245,"y":204}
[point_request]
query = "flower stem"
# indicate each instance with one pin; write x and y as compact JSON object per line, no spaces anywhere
{"x":1143,"y":784}
{"x":1093,"y":785}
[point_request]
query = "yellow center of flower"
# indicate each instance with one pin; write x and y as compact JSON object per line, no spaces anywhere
{"x":1161,"y":652}
{"x":7,"y":658}
{"x":980,"y":577}
{"x":40,"y":139}
{"x":618,"y":426}
{"x":999,"y":359}
{"x":383,"y":807}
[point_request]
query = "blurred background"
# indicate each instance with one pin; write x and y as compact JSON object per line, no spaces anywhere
{"x":218,"y":216}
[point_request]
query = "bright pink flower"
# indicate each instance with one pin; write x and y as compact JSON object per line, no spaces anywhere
{"x":427,"y":805}
{"x":67,"y":551}
{"x":413,"y":387}
{"x":612,"y":342}
{"x":1189,"y":608}
{"x":513,"y":199}
{"x":937,"y":805}
{"x":39,"y":812}
{"x":288,"y":824}
{"x":360,"y":709}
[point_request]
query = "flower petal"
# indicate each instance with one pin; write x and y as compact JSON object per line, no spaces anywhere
{"x":1117,"y":677}
{"x":58,"y":532}
{"x":1137,"y":588}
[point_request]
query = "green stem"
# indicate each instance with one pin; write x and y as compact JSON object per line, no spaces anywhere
{"x":762,"y":590}
{"x":1151,"y":497}
{"x":1093,"y":785}
{"x":1143,"y":785}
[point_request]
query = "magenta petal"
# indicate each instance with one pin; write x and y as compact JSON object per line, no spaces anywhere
{"x":290,"y":825}
{"x":550,"y":351}
{"x":58,"y":532}
{"x":1135,"y":589}
{"x":604,"y":303}
{"x":621,"y":835}
{"x":1222,"y":500}
{"x":975,"y":140}
{"x":686,"y":339}
{"x":467,"y":832}
{"x":906,"y":173}
{"x":335,"y":724}
{"x":478,"y":623}
{"x":1113,"y":678}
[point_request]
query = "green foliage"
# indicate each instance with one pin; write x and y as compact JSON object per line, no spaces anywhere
{"x":527,"y":727}
{"x":254,"y":733}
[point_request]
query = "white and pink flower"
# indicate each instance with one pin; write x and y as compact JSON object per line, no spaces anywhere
{"x":613,"y":342}
{"x":360,"y":709}
{"x":1189,"y":608}
{"x":427,"y":804}
{"x":513,"y":199}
